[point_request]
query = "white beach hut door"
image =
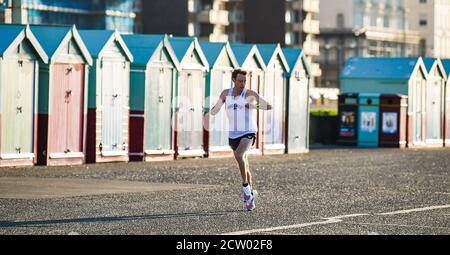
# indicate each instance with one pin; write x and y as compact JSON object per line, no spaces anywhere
{"x":269,"y":115}
{"x":164,"y":108}
{"x":112,"y":129}
{"x":152,"y":137}
{"x":17,"y":116}
{"x":221,"y":80}
{"x":9,"y":108}
{"x":184,"y":104}
{"x":278,"y":108}
{"x":303,"y":113}
{"x":18,"y":91}
{"x":25,"y":113}
{"x":434,"y":109}
{"x":196,"y":96}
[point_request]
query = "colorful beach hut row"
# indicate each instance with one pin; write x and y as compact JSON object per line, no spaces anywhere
{"x":72,"y":96}
{"x":422,"y":83}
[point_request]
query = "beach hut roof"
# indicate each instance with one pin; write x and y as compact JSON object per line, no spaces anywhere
{"x":183,"y":45}
{"x":381,"y":68}
{"x":144,"y":46}
{"x":292,"y":55}
{"x":52,"y":39}
{"x":97,"y":40}
{"x":12,"y":36}
{"x":244,"y":51}
{"x":212,"y":51}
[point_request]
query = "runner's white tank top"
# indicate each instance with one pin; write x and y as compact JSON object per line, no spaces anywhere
{"x":241,"y":119}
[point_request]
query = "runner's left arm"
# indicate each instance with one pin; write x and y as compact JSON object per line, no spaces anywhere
{"x":255,"y":101}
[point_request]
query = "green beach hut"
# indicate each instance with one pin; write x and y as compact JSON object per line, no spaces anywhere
{"x":108,"y":96}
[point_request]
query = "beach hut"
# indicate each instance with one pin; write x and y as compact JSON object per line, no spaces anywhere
{"x":249,"y":59}
{"x":446,"y":64}
{"x":222,"y":62}
{"x":435,"y":102}
{"x":405,"y":76}
{"x":62,"y":106}
{"x":274,"y":92}
{"x":108,"y":96}
{"x":20,"y":54}
{"x":297,"y":101}
{"x":190,"y":97}
{"x":153,"y":83}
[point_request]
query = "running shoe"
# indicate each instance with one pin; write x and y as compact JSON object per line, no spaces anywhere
{"x":250,"y":203}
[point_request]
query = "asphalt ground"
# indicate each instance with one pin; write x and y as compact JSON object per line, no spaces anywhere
{"x":336,"y":191}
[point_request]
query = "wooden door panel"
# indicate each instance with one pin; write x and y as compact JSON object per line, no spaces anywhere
{"x":197,"y":96}
{"x":269,"y":115}
{"x":9,"y":106}
{"x":117,"y":106}
{"x":218,"y":121}
{"x":25,"y":102}
{"x":75,"y":108}
{"x":165,"y":109}
{"x":183,"y":134}
{"x":278,"y":109}
{"x":58,"y":109}
{"x":152,"y":110}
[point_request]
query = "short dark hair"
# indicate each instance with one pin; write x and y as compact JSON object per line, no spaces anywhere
{"x":236,"y":72}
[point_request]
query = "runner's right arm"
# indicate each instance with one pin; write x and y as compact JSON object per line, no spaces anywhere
{"x":220,"y":102}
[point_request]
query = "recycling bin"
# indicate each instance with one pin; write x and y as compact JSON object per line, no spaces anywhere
{"x":393,"y":120}
{"x":368,"y":112}
{"x":348,"y":117}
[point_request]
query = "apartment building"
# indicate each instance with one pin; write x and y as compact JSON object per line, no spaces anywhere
{"x":431,"y":18}
{"x":292,"y":23}
{"x":302,"y":29}
{"x":205,"y":19}
{"x":86,"y":14}
{"x":362,"y":28}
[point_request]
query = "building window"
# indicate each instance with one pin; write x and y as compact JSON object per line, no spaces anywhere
{"x":297,"y":16}
{"x":191,"y":5}
{"x":423,"y":1}
{"x":386,"y":21}
{"x":191,"y":29}
{"x":423,"y":47}
{"x":340,"y":20}
{"x":423,"y":20}
{"x":297,"y":37}
{"x":288,"y":38}
{"x":288,"y":17}
{"x":374,"y":18}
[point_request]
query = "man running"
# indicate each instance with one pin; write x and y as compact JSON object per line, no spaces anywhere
{"x":241,"y":103}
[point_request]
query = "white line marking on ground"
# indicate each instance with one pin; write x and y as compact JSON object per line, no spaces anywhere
{"x":393,"y":225}
{"x":416,"y":210}
{"x":331,"y":220}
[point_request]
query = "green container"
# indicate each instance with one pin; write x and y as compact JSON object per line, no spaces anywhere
{"x":368,"y":119}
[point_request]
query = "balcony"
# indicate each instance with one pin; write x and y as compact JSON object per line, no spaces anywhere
{"x":315,"y":70}
{"x":216,"y":17}
{"x":218,"y":38}
{"x":311,"y":6}
{"x":311,"y":48}
{"x":311,"y":26}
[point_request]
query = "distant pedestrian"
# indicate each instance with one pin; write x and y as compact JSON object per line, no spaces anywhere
{"x":240,"y":104}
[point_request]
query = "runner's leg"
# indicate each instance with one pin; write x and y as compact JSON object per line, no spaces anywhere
{"x":241,"y":157}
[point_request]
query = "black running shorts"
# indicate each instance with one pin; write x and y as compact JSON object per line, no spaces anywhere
{"x":234,"y":142}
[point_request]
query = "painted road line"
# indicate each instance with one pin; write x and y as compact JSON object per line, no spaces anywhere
{"x":416,"y":210}
{"x":330,"y":220}
{"x":394,"y":225}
